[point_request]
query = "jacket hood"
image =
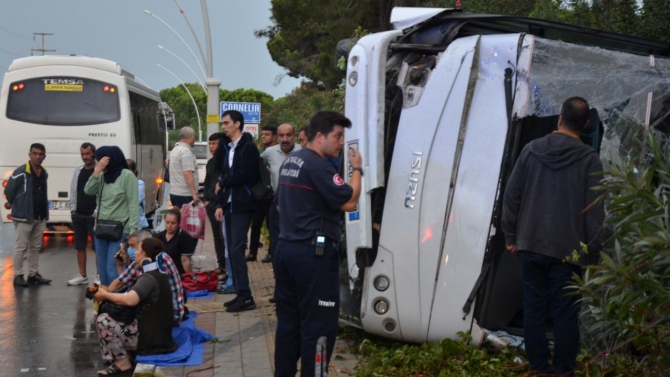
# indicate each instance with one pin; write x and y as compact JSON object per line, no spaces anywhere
{"x":557,"y":150}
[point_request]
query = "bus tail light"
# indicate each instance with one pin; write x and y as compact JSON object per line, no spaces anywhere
{"x":4,"y":184}
{"x":9,"y":217}
{"x":159,"y":180}
{"x":18,"y":86}
{"x":105,"y":88}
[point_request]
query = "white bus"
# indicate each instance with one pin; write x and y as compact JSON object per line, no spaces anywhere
{"x":441,"y":108}
{"x":64,"y":101}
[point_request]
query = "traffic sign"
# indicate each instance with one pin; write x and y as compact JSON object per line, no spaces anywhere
{"x":251,"y":111}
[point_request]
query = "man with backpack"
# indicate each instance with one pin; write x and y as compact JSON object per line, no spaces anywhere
{"x":235,"y":200}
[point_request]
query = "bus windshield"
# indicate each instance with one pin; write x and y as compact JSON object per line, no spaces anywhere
{"x":63,"y":101}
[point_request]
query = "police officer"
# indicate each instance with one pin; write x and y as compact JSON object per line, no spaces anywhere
{"x":311,"y":197}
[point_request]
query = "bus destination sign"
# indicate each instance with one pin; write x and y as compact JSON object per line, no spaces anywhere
{"x":63,"y":85}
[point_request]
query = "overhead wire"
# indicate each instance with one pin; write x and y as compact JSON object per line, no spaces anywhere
{"x":17,"y":35}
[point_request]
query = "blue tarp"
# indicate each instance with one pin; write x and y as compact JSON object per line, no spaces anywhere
{"x":191,"y":341}
{"x":200,"y":294}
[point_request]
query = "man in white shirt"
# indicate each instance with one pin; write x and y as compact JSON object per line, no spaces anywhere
{"x":184,"y":171}
{"x":274,"y":157}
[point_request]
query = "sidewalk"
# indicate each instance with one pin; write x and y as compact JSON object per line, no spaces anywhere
{"x":247,"y":341}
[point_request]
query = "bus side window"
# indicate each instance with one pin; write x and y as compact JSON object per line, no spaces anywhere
{"x":136,"y":118}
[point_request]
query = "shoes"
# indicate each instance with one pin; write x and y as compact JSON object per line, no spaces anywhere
{"x":251,"y":258}
{"x":242,"y":305}
{"x":97,"y":280}
{"x":38,"y":279}
{"x":224,"y":291}
{"x":267,"y":259}
{"x":78,"y":280}
{"x":19,"y":281}
{"x":223,"y":278}
{"x":230,"y":303}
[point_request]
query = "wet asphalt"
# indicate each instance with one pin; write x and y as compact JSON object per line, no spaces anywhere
{"x":46,"y":330}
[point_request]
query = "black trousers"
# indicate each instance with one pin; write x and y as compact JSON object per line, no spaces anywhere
{"x":217,"y":235}
{"x":273,"y":218}
{"x":308,"y":303}
{"x":260,"y":215}
{"x":237,"y":225}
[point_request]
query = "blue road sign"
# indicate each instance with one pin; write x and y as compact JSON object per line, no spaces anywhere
{"x":251,"y":111}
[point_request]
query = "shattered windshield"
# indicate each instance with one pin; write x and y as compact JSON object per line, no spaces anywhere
{"x":624,"y":88}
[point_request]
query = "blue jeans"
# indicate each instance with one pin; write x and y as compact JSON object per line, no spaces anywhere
{"x":237,"y":226}
{"x":105,"y":250}
{"x":544,"y":280}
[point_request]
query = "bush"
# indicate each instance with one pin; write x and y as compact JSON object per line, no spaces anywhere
{"x":628,"y":293}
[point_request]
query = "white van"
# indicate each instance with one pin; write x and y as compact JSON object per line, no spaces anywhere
{"x":200,"y":151}
{"x":441,"y":108}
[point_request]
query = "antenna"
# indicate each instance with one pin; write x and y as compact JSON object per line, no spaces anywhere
{"x":41,"y":49}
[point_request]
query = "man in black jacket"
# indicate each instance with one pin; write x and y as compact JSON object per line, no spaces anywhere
{"x":236,"y":202}
{"x":209,"y":197}
{"x":545,"y":218}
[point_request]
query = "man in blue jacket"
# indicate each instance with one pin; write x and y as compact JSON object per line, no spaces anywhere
{"x":26,"y":194}
{"x":236,"y":202}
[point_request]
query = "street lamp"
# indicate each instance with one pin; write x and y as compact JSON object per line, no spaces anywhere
{"x":197,"y":113}
{"x":182,"y":39}
{"x":197,"y":42}
{"x":187,"y":66}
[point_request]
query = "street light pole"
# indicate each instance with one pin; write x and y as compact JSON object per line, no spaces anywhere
{"x":213,"y":84}
{"x":197,"y":41}
{"x":204,"y":89}
{"x":197,"y":113}
{"x":182,"y":39}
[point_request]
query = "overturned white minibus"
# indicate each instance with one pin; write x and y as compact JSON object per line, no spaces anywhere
{"x":441,"y":108}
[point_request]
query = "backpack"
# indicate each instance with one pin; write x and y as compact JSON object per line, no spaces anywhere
{"x":262,"y":188}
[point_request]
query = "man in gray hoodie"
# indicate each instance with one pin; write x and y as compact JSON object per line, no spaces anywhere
{"x":546,"y":215}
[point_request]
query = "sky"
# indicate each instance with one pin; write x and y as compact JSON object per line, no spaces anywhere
{"x":119,"y":30}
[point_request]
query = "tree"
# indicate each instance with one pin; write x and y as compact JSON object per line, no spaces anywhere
{"x":298,"y":107}
{"x":654,"y":18}
{"x":184,"y":111}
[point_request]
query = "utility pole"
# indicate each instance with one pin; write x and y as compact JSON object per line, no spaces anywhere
{"x":213,"y":84}
{"x":41,"y":49}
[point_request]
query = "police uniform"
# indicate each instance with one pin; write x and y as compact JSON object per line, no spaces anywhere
{"x":309,"y":195}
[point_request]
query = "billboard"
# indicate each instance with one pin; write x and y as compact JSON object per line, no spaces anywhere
{"x":251,"y":111}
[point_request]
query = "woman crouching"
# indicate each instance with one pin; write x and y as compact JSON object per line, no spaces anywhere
{"x":150,"y":333}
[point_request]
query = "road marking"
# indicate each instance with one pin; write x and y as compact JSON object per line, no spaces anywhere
{"x":41,"y":368}
{"x":24,"y":370}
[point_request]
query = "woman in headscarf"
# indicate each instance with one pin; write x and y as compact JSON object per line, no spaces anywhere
{"x":116,"y":190}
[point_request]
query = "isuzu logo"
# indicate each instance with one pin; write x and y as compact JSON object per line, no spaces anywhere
{"x":413,"y":184}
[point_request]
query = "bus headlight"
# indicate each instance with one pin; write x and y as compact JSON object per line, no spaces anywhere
{"x":353,"y":78}
{"x":381,"y":306}
{"x":381,"y":283}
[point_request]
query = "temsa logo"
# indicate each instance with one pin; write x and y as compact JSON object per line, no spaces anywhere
{"x":63,"y":81}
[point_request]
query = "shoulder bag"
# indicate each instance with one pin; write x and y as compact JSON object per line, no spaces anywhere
{"x":119,"y":313}
{"x":109,"y":230}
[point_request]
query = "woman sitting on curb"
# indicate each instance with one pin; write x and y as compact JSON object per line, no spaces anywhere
{"x":151,"y":332}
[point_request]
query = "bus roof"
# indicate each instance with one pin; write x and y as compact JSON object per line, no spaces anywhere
{"x":80,"y":61}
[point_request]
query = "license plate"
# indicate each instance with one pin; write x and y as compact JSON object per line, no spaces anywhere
{"x":58,"y":205}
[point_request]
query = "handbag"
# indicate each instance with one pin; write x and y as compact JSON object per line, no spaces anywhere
{"x":109,"y":230}
{"x":199,"y":281}
{"x":119,"y":313}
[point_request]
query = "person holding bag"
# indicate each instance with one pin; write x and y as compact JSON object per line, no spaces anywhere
{"x":139,"y":320}
{"x":118,"y":207}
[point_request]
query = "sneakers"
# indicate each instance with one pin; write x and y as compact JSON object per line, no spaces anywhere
{"x":228,"y":304}
{"x":38,"y":279}
{"x":19,"y":281}
{"x":242,"y":305}
{"x":223,"y":291}
{"x":97,"y":280}
{"x":251,"y":258}
{"x":78,"y":280}
{"x":267,"y":259}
